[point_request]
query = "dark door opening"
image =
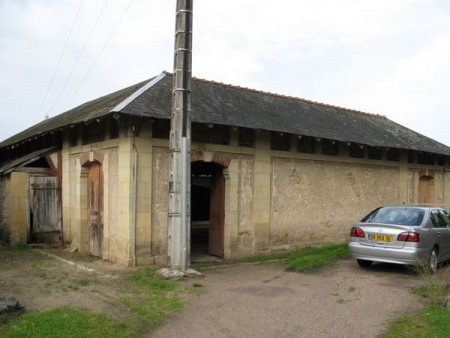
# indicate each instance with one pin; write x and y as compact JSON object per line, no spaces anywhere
{"x":207,"y":209}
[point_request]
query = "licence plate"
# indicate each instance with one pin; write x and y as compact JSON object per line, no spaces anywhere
{"x":381,"y":238}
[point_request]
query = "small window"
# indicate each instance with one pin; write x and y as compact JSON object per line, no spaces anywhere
{"x":306,"y":144}
{"x":246,"y":137}
{"x":355,"y":151}
{"x":113,"y":129}
{"x":73,"y":137}
{"x":210,"y":133}
{"x":411,"y":156}
{"x":280,"y":141}
{"x":93,"y":132}
{"x":374,"y":153}
{"x":330,"y":148}
{"x":425,"y":158}
{"x":392,"y":155}
{"x":161,"y":129}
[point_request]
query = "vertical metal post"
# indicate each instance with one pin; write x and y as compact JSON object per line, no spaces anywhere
{"x":179,"y":146}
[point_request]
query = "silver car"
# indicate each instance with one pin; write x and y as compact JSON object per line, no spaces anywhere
{"x":402,"y":235}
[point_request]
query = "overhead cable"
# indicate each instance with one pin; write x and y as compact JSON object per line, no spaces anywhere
{"x":79,"y":55}
{"x":98,"y":55}
{"x":59,"y":61}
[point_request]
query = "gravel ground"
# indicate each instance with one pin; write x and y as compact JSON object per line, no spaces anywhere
{"x":343,"y":300}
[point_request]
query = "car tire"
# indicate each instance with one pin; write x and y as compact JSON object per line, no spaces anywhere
{"x":363,"y":263}
{"x":433,"y":260}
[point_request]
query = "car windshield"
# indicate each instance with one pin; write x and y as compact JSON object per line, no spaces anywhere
{"x":401,"y":216}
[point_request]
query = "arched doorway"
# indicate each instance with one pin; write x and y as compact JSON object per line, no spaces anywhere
{"x":207,"y":209}
{"x":95,"y":208}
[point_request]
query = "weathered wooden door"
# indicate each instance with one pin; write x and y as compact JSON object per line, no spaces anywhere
{"x":46,"y":213}
{"x":95,"y":208}
{"x":424,"y":190}
{"x":217,"y":214}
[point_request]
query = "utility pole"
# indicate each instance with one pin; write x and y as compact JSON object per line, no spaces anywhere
{"x":179,"y":223}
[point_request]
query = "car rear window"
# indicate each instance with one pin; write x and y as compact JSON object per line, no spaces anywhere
{"x":401,"y":216}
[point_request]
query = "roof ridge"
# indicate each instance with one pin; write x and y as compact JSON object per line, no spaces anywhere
{"x":282,"y":96}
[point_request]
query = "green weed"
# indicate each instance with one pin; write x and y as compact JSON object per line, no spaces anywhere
{"x":309,"y":259}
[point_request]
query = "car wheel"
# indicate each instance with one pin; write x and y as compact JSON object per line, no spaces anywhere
{"x":363,"y":263}
{"x":433,"y":261}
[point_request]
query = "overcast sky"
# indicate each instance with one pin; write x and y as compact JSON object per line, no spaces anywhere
{"x":378,"y":56}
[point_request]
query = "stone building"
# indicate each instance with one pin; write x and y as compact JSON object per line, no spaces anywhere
{"x":269,"y":173}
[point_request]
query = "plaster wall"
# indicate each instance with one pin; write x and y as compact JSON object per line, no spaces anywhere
{"x":5,"y":228}
{"x":315,"y":202}
{"x":245,"y":235}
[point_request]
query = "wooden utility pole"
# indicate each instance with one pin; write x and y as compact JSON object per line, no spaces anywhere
{"x":179,"y":226}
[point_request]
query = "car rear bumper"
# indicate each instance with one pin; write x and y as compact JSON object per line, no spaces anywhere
{"x":405,"y":255}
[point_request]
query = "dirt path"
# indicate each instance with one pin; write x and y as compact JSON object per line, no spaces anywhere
{"x":265,"y":301}
{"x":235,"y":301}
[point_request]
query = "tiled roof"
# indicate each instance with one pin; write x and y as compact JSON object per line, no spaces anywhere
{"x":224,"y":104}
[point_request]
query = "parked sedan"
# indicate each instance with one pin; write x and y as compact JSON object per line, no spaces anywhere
{"x":402,"y":235}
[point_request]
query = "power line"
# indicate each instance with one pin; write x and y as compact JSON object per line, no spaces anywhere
{"x":79,"y":55}
{"x":59,"y":61}
{"x":101,"y":51}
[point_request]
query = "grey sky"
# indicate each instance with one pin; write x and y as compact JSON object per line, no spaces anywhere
{"x":383,"y":57}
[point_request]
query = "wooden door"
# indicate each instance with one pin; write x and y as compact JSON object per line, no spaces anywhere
{"x":95,"y":209}
{"x":217,"y":215}
{"x":424,"y":190}
{"x":45,"y":223}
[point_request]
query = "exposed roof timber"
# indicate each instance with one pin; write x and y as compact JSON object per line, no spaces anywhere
{"x":10,"y":166}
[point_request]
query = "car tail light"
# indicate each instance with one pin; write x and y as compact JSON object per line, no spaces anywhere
{"x":408,"y":237}
{"x":357,"y":232}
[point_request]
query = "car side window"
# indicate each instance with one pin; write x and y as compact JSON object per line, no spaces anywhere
{"x":446,"y":218}
{"x":436,"y":219}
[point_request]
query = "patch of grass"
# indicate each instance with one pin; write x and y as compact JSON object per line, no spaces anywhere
{"x":63,"y":323}
{"x":305,"y":260}
{"x":197,"y":285}
{"x":20,"y":247}
{"x":432,"y":321}
{"x":309,"y":259}
{"x":154,"y":296}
